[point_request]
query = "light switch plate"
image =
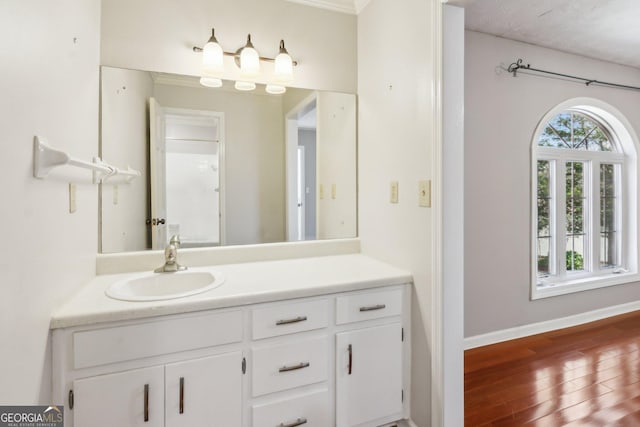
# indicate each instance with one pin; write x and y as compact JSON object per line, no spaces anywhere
{"x":393,"y":195}
{"x":424,"y":194}
{"x":72,"y":198}
{"x":333,"y":191}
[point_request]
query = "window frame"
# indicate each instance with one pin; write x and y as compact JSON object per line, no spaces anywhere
{"x":624,"y":140}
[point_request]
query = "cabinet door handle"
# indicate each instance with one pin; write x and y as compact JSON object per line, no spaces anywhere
{"x":146,"y":403}
{"x":289,"y":321}
{"x":297,"y":422}
{"x":182,"y":395}
{"x":294,"y":367}
{"x":373,"y":307}
{"x":350,"y":349}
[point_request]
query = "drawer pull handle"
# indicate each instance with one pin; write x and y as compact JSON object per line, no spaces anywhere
{"x":146,"y":403}
{"x":350,"y":358}
{"x":297,"y":422}
{"x":294,"y":367}
{"x":373,"y":307}
{"x":290,"y":321}
{"x":182,"y":395}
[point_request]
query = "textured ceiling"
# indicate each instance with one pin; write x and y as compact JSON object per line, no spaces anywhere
{"x":602,"y":29}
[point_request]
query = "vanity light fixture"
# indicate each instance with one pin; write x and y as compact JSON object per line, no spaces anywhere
{"x":283,"y":66}
{"x":282,"y":71}
{"x":212,"y":62}
{"x":249,"y":66}
{"x":244,"y":86}
{"x":275,"y":89}
{"x":248,"y":60}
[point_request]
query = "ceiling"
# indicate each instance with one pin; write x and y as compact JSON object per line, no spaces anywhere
{"x":601,"y":29}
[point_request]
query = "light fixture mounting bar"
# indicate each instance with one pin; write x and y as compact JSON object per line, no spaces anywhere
{"x":237,"y":55}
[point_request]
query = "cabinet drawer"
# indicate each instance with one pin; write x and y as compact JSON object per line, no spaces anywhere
{"x":312,"y":408}
{"x":289,"y":318}
{"x":122,"y":343}
{"x":281,"y":367}
{"x":370,"y":305}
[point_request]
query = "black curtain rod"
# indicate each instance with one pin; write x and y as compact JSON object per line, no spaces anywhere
{"x":518,"y":65}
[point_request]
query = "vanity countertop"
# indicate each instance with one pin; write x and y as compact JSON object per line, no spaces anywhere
{"x":245,"y":283}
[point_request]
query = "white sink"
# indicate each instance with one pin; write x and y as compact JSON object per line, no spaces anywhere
{"x":163,"y":286}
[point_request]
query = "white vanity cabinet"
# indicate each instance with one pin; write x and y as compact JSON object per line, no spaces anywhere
{"x":188,"y":393}
{"x":338,"y":359}
{"x":167,"y":371}
{"x":369,"y":359}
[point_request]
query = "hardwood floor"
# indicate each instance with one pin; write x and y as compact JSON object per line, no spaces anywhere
{"x":588,"y":375}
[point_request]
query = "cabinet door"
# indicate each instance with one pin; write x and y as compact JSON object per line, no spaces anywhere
{"x":369,"y":374}
{"x":205,"y":392}
{"x":132,"y":398}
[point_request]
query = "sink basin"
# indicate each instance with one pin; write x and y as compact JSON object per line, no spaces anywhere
{"x":163,"y":286}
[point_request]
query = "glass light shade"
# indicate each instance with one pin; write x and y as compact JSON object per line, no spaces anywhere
{"x":283,"y":68}
{"x":275,"y":89}
{"x":212,"y":59}
{"x":210,"y":81}
{"x":249,"y":62}
{"x":245,"y":86}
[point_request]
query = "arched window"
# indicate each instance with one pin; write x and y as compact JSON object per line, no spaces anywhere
{"x":583,"y":236}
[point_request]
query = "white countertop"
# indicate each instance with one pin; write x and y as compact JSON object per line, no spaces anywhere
{"x":246,"y":283}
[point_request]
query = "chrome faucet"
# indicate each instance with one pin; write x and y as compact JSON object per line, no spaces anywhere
{"x":171,"y":257}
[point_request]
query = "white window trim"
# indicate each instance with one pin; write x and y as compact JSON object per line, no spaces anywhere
{"x":585,"y":284}
{"x":623,"y":134}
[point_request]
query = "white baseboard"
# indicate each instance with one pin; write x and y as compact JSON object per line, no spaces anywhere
{"x":548,"y":325}
{"x":402,"y":423}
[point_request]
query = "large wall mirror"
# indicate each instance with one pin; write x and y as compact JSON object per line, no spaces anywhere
{"x":223,"y":167}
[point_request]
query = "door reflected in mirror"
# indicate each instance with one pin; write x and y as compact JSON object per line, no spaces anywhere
{"x":185,"y":155}
{"x":222,"y":167}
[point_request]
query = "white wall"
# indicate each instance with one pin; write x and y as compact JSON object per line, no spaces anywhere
{"x":124,"y":142}
{"x":396,"y":119}
{"x":253,"y":158}
{"x":501,"y":114}
{"x":293,"y":97}
{"x":157,"y":35}
{"x":336,"y":160}
{"x":49,"y":87}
